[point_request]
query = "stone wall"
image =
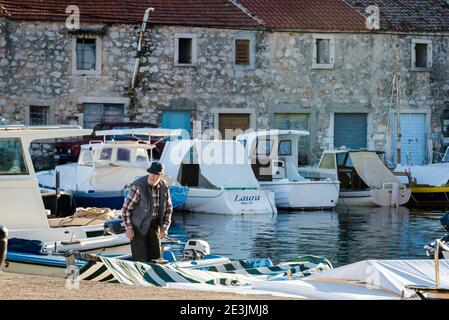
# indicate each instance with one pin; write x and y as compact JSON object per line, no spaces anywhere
{"x":36,"y":64}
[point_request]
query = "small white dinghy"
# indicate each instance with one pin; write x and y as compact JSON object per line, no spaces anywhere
{"x":219,"y":177}
{"x":274,"y":159}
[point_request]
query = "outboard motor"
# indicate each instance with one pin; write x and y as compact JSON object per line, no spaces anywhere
{"x":3,"y":244}
{"x":444,"y":241}
{"x":195,"y":249}
{"x":114,"y":226}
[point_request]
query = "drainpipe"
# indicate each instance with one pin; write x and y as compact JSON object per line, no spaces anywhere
{"x":139,"y":47}
{"x":3,"y":244}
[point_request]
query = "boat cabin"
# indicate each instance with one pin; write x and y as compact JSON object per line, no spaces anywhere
{"x":208,"y":164}
{"x":18,"y":179}
{"x":338,"y":166}
{"x":115,"y":153}
{"x":274,"y":154}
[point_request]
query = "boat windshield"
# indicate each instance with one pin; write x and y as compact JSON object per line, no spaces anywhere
{"x":85,"y":158}
{"x":12,"y":158}
{"x":106,"y":154}
{"x":123,"y":154}
{"x":328,"y":161}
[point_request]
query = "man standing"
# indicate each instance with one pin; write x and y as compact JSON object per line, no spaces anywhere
{"x":147,"y":214}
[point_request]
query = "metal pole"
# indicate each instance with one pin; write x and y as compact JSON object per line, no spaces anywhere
{"x":398,"y":111}
{"x":57,"y":192}
{"x":3,"y":244}
{"x":139,"y":47}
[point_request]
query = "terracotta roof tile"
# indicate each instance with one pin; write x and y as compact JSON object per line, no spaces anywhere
{"x":409,"y":15}
{"x":207,"y":13}
{"x":306,"y":14}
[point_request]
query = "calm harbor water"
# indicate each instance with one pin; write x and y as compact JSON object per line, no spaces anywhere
{"x":341,"y":236}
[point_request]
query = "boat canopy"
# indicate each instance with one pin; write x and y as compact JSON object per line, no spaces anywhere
{"x":224,"y":163}
{"x":371,"y":169}
{"x":432,"y":175}
{"x":389,"y":275}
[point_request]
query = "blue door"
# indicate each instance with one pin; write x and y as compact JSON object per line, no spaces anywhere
{"x":413,"y":139}
{"x":176,"y":120}
{"x":350,"y":130}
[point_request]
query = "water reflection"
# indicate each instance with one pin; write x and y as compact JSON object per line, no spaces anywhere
{"x":341,"y":236}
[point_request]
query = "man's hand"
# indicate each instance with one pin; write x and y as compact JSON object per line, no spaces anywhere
{"x":163,"y":234}
{"x":130,"y":233}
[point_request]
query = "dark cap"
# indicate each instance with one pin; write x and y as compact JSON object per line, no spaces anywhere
{"x":156,"y":168}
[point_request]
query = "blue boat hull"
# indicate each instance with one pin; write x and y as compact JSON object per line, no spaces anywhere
{"x":115,"y":199}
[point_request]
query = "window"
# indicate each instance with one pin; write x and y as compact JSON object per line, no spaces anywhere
{"x":86,"y":55}
{"x":141,"y":156}
{"x":12,"y":158}
{"x":39,"y":115}
{"x":185,"y":49}
{"x":328,"y":161}
{"x":242,"y":52}
{"x":421,"y":55}
{"x":285,"y":148}
{"x":85,"y":158}
{"x":123,"y":154}
{"x":95,"y":113}
{"x":106,"y":154}
{"x":323,"y":52}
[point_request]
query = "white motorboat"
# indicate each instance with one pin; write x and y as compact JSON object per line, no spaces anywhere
{"x":219,"y":177}
{"x":105,"y":169}
{"x":23,"y":212}
{"x":364,"y":179}
{"x":274,"y":159}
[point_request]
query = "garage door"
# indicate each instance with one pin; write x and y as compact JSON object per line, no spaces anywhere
{"x":101,"y":112}
{"x":233,"y":121}
{"x":295,"y":121}
{"x":350,"y":130}
{"x":176,"y":120}
{"x":413,"y":139}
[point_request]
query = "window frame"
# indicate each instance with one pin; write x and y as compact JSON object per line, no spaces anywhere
{"x":290,"y":148}
{"x":194,"y":49}
{"x":429,"y":61}
{"x":252,"y":51}
{"x":331,"y":63}
{"x":23,"y":156}
{"x":48,"y":115}
{"x":98,"y":51}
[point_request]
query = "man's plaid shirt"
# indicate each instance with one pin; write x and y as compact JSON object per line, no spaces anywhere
{"x":134,"y":197}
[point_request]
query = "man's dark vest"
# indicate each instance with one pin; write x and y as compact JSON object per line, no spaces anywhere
{"x":142,"y":214}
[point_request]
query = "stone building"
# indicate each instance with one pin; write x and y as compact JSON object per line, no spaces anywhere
{"x":228,"y":64}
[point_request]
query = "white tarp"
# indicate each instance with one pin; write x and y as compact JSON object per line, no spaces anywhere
{"x":224,"y":163}
{"x":390,"y":275}
{"x":371,"y":169}
{"x":432,"y":175}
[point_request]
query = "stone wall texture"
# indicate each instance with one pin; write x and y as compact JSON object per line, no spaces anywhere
{"x":36,"y":65}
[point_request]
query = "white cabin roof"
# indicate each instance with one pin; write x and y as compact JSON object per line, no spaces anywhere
{"x":116,"y":144}
{"x":150,"y":132}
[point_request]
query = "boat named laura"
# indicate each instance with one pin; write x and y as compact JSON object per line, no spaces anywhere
{"x":274,"y":160}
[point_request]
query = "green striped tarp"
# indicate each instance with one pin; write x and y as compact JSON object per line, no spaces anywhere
{"x":225,"y":273}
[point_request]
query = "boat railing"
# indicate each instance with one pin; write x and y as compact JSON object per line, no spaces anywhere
{"x":24,"y":127}
{"x":95,"y":142}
